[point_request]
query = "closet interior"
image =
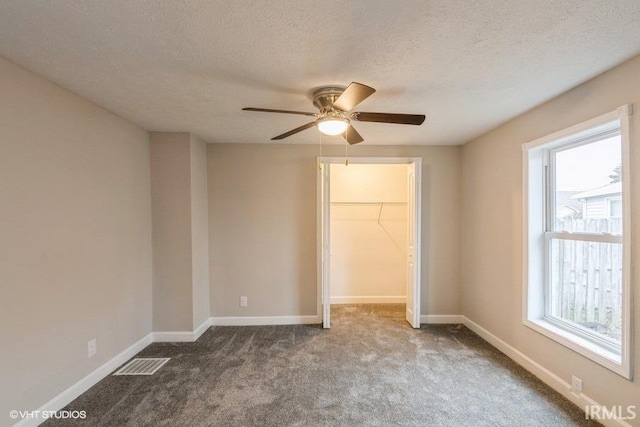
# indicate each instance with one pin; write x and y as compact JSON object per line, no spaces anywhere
{"x":368,"y":239}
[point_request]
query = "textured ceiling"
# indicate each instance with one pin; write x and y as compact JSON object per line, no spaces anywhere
{"x":192,"y":65}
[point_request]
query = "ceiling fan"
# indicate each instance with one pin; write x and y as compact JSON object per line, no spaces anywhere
{"x":335,"y":116}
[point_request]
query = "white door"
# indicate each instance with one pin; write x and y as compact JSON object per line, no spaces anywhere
{"x":413,"y":246}
{"x":326,"y":226}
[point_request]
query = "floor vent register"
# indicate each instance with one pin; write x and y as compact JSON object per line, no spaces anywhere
{"x":142,"y":366}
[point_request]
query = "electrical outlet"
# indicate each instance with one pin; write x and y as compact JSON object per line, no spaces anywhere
{"x":92,"y":348}
{"x":576,"y":384}
{"x":243,"y":301}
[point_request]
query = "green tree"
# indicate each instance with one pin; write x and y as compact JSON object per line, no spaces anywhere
{"x":616,"y":175}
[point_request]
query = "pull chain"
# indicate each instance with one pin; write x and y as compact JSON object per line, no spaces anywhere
{"x":320,"y":162}
{"x":346,"y":154}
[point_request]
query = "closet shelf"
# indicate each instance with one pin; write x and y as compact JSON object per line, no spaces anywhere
{"x":368,"y":203}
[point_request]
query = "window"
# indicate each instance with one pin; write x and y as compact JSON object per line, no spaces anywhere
{"x":614,"y":207}
{"x":577,"y":259}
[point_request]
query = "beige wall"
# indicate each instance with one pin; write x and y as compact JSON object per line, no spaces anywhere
{"x":262,"y":219}
{"x":75,"y":238}
{"x":368,"y":233}
{"x":199,"y":231}
{"x":493,"y":223}
{"x":171,"y":199}
{"x":180,"y":230}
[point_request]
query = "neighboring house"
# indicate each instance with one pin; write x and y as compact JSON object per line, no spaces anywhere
{"x":567,"y":206}
{"x":601,"y":202}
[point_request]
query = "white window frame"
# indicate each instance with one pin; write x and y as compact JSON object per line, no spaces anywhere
{"x":536,"y":238}
{"x":608,"y":201}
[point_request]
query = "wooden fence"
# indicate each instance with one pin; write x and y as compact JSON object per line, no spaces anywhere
{"x":587,"y":277}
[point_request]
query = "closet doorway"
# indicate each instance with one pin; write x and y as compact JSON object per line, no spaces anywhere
{"x":369,"y":233}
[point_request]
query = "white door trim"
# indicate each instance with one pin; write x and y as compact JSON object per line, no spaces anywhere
{"x":413,"y":312}
{"x":323,"y":227}
{"x":325,"y":257}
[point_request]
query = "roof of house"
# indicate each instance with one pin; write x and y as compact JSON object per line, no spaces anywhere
{"x":605,"y":190}
{"x":565,"y":199}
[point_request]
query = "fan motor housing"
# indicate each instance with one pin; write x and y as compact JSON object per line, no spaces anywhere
{"x":324,"y":97}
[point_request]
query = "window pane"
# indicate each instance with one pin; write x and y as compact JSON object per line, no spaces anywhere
{"x":587,"y":177}
{"x":615,"y":208}
{"x":586,"y":285}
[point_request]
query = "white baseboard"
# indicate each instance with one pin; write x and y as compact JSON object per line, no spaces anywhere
{"x":546,"y":376}
{"x":201,"y":329}
{"x":265,"y":320}
{"x":182,"y":336}
{"x":369,"y":300}
{"x":449,"y":319}
{"x":71,"y":393}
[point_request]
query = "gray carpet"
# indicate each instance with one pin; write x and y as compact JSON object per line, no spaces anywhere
{"x":370,"y":369}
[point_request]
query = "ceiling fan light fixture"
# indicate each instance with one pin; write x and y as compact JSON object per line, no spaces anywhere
{"x":336,"y":105}
{"x":332,"y":125}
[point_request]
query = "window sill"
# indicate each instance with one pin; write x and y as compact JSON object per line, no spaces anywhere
{"x":588,"y":349}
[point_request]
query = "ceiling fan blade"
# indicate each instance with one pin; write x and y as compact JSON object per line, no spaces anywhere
{"x":403,"y":119}
{"x":294,"y":131}
{"x":353,"y":95}
{"x":269,"y":110}
{"x":352,"y":136}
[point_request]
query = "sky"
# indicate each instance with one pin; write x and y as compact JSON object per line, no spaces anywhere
{"x":587,"y":166}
